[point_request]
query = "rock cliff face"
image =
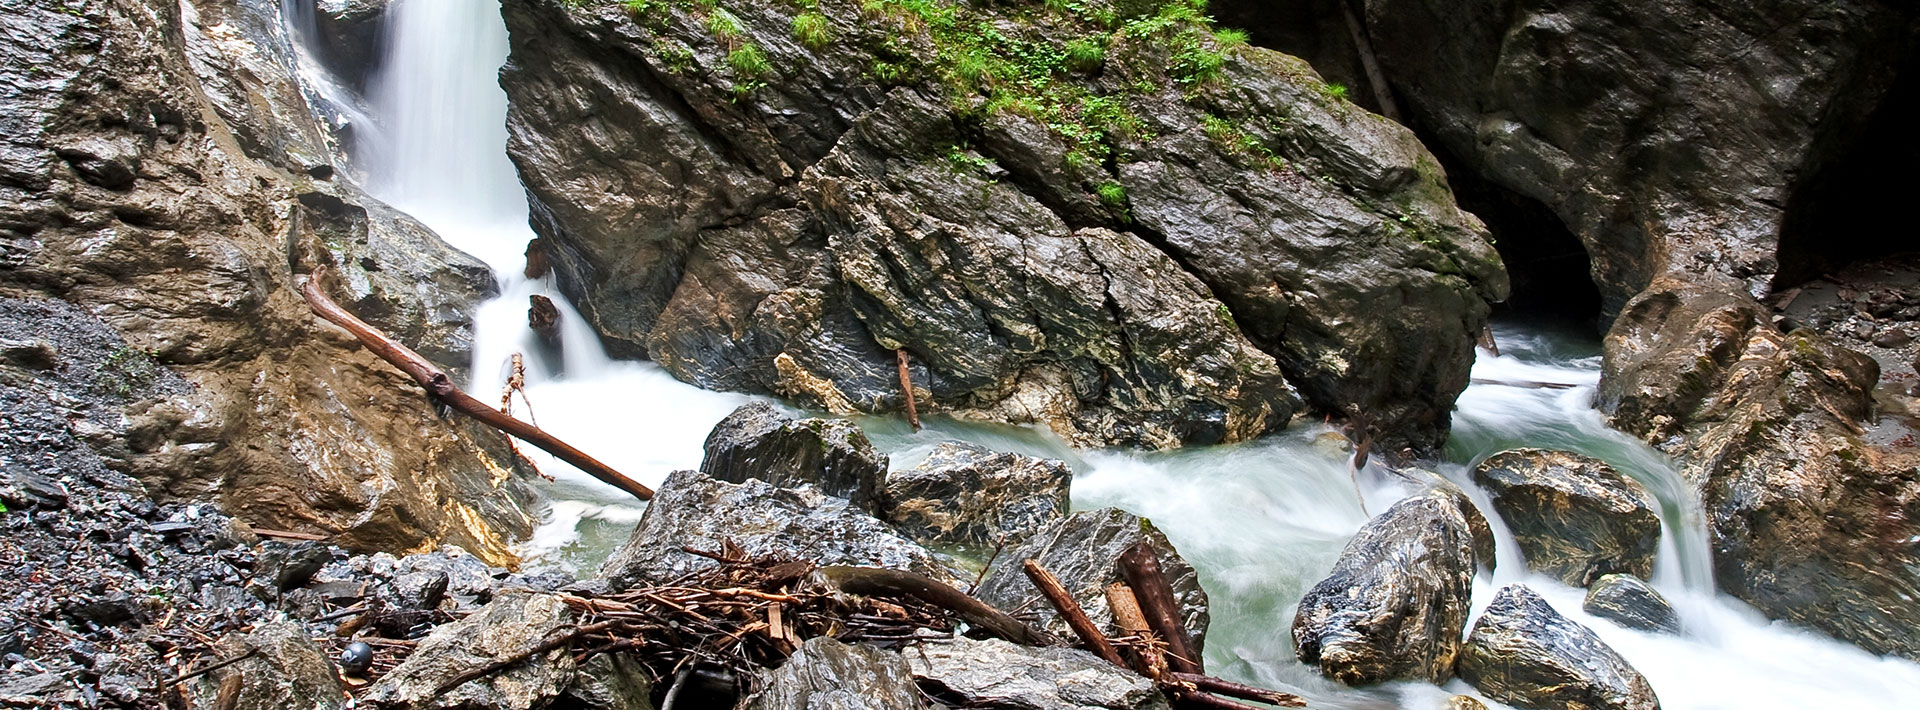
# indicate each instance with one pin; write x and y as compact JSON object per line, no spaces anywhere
{"x":1666,"y":136}
{"x":1106,"y":218}
{"x":1812,"y":497}
{"x":159,"y":169}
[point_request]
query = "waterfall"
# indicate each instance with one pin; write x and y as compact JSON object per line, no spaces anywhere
{"x":1262,"y":521}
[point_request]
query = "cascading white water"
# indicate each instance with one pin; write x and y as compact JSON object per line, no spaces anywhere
{"x":1262,"y":521}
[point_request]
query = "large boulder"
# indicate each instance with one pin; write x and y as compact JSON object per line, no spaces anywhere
{"x":512,"y":623}
{"x":1396,"y":603}
{"x":1525,"y":654}
{"x":1626,"y":600}
{"x":1139,"y":252}
{"x":833,"y":454}
{"x":993,"y":673}
{"x":1668,"y":137}
{"x":829,"y":675}
{"x":284,"y":669}
{"x":1574,"y":517}
{"x":1812,"y":501}
{"x":694,"y":510}
{"x":1083,"y":551}
{"x":969,"y":495}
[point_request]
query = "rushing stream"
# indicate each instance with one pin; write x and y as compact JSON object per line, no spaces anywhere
{"x":1262,"y":521}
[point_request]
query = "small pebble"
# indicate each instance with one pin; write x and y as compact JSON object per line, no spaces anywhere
{"x":356,"y":658}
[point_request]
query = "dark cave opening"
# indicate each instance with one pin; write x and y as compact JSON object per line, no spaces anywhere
{"x":1845,"y":210}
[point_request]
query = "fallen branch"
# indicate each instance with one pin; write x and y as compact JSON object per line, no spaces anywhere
{"x":1210,"y":684}
{"x":1527,"y":384}
{"x":217,"y":666}
{"x":906,"y":386}
{"x":1070,"y":610}
{"x":1141,"y":567}
{"x":1150,"y":659}
{"x":891,"y":582}
{"x":440,"y":387}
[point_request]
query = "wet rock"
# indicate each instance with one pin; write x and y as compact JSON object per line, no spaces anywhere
{"x":970,"y":495}
{"x":993,"y":673}
{"x":1525,"y":654}
{"x":691,"y":509}
{"x":543,"y":318}
{"x":286,"y":670}
{"x":1464,"y":702}
{"x":1811,"y":520}
{"x":1396,"y":602}
{"x":822,"y":218}
{"x":755,"y":441}
{"x":509,"y":624}
{"x":1083,"y":551}
{"x":1575,"y":518}
{"x":349,"y":33}
{"x":829,"y":675}
{"x":611,"y":681}
{"x":1626,"y":600}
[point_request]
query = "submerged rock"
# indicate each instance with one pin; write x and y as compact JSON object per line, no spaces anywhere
{"x":509,"y":624}
{"x":1397,"y":600}
{"x":997,"y":674}
{"x":967,"y":494}
{"x":1626,"y":600}
{"x":694,"y":510}
{"x":1525,"y":654}
{"x":1575,"y":518}
{"x":1811,"y":500}
{"x":1083,"y":551}
{"x":829,"y":675}
{"x":755,"y":441}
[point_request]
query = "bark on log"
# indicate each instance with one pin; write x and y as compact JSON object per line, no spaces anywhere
{"x":1148,"y":660}
{"x":1070,"y":610}
{"x":874,"y":580}
{"x":906,"y":387}
{"x":440,"y":387}
{"x":1210,"y":684}
{"x":1141,"y":568}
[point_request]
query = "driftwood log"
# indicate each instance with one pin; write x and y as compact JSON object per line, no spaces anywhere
{"x":893,"y":582}
{"x":1070,"y":610}
{"x":1141,"y":568}
{"x":441,"y":388}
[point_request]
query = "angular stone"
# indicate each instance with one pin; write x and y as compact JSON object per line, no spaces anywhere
{"x":1575,"y":518}
{"x":286,"y":670}
{"x":1083,"y":551}
{"x":994,"y":673}
{"x":509,"y":624}
{"x":969,"y":495}
{"x":1397,"y":600}
{"x":1626,"y":600}
{"x":829,"y":675}
{"x":1525,"y":654}
{"x":611,"y":681}
{"x":691,"y":509}
{"x":755,"y":441}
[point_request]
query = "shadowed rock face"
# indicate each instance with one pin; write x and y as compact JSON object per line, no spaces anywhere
{"x":1811,"y":500}
{"x":829,"y":675}
{"x":1630,"y":602}
{"x":965,"y":494}
{"x":757,"y":442}
{"x":694,"y":510}
{"x":1083,"y":551}
{"x":784,"y":233}
{"x":158,"y":170}
{"x":1574,"y":518}
{"x":1667,"y":136}
{"x":1525,"y":654}
{"x":1397,"y":600}
{"x":998,"y":674}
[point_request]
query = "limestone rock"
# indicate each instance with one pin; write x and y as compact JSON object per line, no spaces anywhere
{"x":1626,"y":600}
{"x":691,"y":509}
{"x":969,"y":495}
{"x":1574,"y":517}
{"x":1083,"y":551}
{"x":998,"y":674}
{"x":832,"y":454}
{"x":829,"y":675}
{"x":1525,"y":654}
{"x":1811,"y":516}
{"x":509,"y":624}
{"x":1396,"y":602}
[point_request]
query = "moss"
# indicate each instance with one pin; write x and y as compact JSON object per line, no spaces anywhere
{"x":1226,"y":316}
{"x":812,"y":29}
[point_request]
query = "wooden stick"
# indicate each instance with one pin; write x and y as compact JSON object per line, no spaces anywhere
{"x":1210,"y":684}
{"x":906,"y":386}
{"x":440,"y":387}
{"x":874,"y":580}
{"x":1150,"y":662}
{"x":217,"y":666}
{"x":1070,"y":610}
{"x":1196,"y":699}
{"x":263,"y":532}
{"x":1370,"y":64}
{"x":1525,"y":384}
{"x":1141,"y":567}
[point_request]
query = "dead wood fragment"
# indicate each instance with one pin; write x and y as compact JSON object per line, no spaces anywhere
{"x":1210,"y":684}
{"x":890,"y":582}
{"x":1070,"y":610}
{"x":1141,"y":567}
{"x":1149,"y":652}
{"x":906,"y":387}
{"x":440,"y":387}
